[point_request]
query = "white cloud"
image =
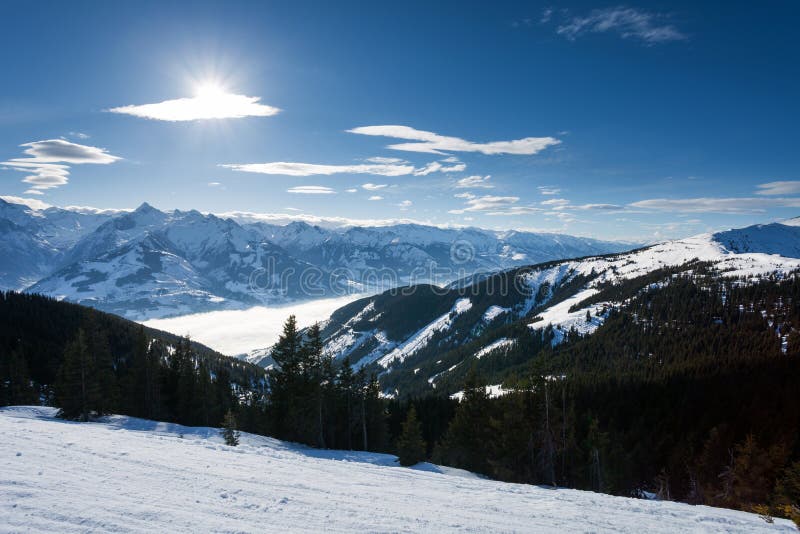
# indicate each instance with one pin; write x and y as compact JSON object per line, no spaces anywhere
{"x":49,"y":161}
{"x":211,"y":105}
{"x":435,"y":166}
{"x":486,"y":203}
{"x":464,"y":195}
{"x":79,"y":135}
{"x":311,"y":190}
{"x":548,"y":190}
{"x":379,"y":159}
{"x":716,"y":205}
{"x":624,"y":21}
{"x":433,"y":143}
{"x":351,"y":190}
{"x":399,"y":168}
{"x":556,"y":203}
{"x":375,"y":197}
{"x":779,"y":188}
{"x":599,"y":207}
{"x":214,"y":184}
{"x":373,"y":187}
{"x":474,"y":182}
{"x":32,"y":192}
{"x":310,"y":169}
{"x":405,"y":204}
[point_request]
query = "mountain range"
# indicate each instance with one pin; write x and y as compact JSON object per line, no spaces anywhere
{"x":426,"y":337}
{"x":149,"y":263}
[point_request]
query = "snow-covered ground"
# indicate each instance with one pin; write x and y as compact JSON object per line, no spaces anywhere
{"x":132,"y":475}
{"x":235,"y":332}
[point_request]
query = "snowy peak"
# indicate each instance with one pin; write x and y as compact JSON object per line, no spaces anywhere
{"x":776,"y":238}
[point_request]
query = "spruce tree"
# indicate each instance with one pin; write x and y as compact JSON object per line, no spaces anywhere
{"x":411,"y":448}
{"x":229,"y":431}
{"x":15,"y":381}
{"x":76,"y":387}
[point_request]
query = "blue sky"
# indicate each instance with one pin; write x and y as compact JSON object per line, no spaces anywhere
{"x":632,"y":121}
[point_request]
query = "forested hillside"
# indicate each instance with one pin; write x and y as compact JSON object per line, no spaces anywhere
{"x":688,"y":391}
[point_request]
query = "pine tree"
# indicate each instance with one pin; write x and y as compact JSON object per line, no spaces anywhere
{"x":469,"y":435}
{"x":411,"y":448}
{"x":15,"y":381}
{"x":229,"y":431}
{"x":76,"y":388}
{"x":284,"y":381}
{"x":316,"y":375}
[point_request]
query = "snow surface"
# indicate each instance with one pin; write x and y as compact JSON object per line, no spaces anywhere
{"x":704,"y":247}
{"x":235,"y":332}
{"x":501,"y":343}
{"x":132,"y":475}
{"x":493,"y":391}
{"x":420,"y":340}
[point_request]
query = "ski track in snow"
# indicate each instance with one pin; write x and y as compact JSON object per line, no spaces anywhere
{"x":131,"y":475}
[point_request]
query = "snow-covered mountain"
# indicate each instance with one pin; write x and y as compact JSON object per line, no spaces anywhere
{"x":408,"y":331}
{"x":52,"y":469}
{"x":148,"y":263}
{"x":415,"y":253}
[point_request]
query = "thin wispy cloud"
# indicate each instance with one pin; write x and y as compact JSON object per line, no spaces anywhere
{"x":741,"y":205}
{"x":375,"y":197}
{"x":626,"y":22}
{"x":311,"y":169}
{"x":779,"y":188}
{"x":555,"y":203}
{"x":474,"y":182}
{"x":436,"y":166}
{"x":374,"y":187}
{"x":563,"y":205}
{"x":405,"y":204}
{"x":381,"y":159}
{"x":433,"y":143}
{"x":548,"y":190}
{"x":286,"y":168}
{"x":311,"y":190}
{"x":495,"y":205}
{"x":49,"y":161}
{"x":205,"y":106}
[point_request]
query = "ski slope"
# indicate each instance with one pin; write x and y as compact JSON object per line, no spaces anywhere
{"x":131,"y":475}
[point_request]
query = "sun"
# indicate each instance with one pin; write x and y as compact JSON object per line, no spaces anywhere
{"x":209,"y":89}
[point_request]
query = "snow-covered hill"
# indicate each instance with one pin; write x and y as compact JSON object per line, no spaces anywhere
{"x":409,"y":331}
{"x":132,"y":475}
{"x":148,"y":263}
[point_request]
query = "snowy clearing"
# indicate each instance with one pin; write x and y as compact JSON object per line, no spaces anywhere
{"x":235,"y":332}
{"x":132,"y":475}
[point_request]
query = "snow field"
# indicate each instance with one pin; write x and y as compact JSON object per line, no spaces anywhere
{"x":131,"y":475}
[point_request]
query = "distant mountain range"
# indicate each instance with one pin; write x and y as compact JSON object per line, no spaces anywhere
{"x":427,"y":339}
{"x":148,"y":263}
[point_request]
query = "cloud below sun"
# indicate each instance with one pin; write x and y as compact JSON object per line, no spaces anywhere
{"x":209,"y":103}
